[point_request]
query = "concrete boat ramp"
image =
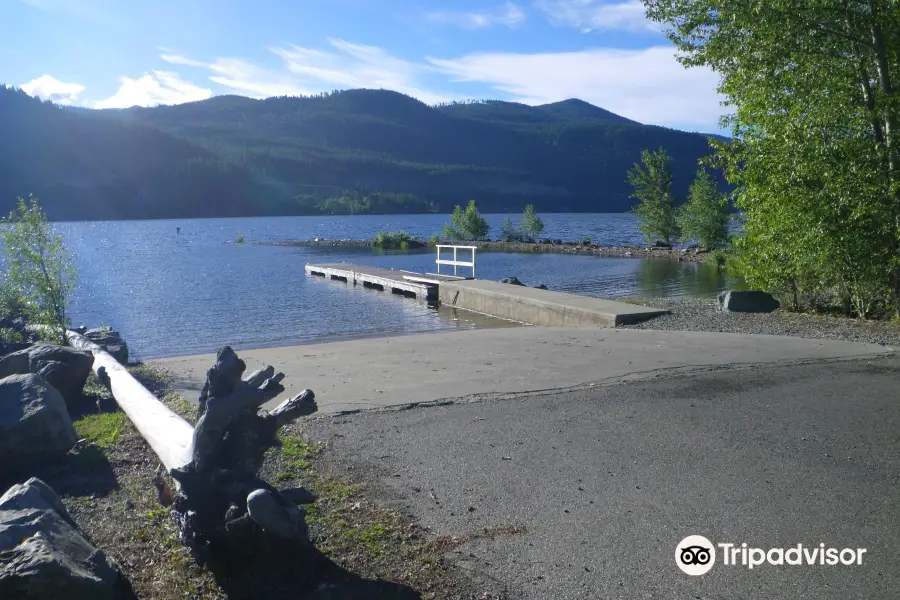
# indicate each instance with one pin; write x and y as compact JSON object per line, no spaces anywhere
{"x":485,"y":364}
{"x":517,"y":303}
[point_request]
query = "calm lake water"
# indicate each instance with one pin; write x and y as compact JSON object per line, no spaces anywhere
{"x":192,"y":292}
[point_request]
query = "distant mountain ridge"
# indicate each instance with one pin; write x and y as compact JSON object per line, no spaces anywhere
{"x":354,"y":151}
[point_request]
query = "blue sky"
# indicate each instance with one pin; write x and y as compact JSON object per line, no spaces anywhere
{"x":118,"y":53}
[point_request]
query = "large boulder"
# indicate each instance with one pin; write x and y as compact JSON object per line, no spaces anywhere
{"x":64,"y":368}
{"x":43,"y":555}
{"x":752,"y":302}
{"x":15,"y":363}
{"x":111,"y":341}
{"x":34,"y":423}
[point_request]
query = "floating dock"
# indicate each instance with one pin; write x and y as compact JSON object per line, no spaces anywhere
{"x":516,"y":303}
{"x":405,"y":283}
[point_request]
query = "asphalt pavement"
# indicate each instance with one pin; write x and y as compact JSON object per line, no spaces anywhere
{"x":587,"y":493}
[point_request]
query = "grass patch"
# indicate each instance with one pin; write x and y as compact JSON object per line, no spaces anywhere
{"x":153,"y":379}
{"x":104,"y":429}
{"x":186,"y":410}
{"x":127,"y":522}
{"x":92,"y":387}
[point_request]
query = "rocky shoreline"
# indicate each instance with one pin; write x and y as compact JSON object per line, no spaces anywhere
{"x":700,"y":314}
{"x":553,"y":246}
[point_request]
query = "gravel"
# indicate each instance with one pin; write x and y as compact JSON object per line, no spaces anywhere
{"x":696,"y":314}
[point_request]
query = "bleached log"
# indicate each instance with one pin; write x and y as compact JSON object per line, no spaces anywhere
{"x":168,"y":434}
{"x":220,"y":496}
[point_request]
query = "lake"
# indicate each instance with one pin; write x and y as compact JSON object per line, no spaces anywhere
{"x":174,"y":293}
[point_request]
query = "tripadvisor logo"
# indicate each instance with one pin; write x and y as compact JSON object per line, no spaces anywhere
{"x":696,"y":555}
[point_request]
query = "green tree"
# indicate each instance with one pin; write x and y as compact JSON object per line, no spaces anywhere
{"x":509,"y":232}
{"x":705,"y":215}
{"x":815,"y":156}
{"x":466,"y":224}
{"x":531,"y":225}
{"x":652,"y":185}
{"x":38,"y":266}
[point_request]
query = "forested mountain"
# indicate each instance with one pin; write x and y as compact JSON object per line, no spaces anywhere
{"x":350,"y":151}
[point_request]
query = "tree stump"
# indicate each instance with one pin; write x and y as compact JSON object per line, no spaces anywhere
{"x":221,"y":499}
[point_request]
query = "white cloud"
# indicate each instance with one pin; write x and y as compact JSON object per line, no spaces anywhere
{"x":597,"y":15}
{"x":307,"y":71}
{"x":177,"y":59}
{"x":46,"y":87}
{"x":243,"y":77}
{"x":508,"y":15}
{"x":158,"y":87}
{"x":646,"y":85}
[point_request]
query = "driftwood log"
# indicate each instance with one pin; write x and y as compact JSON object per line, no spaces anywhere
{"x":219,"y":498}
{"x":168,"y":434}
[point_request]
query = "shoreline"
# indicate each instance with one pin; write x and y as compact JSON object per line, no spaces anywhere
{"x":687,"y":313}
{"x":555,"y":247}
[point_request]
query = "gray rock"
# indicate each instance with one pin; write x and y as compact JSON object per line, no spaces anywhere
{"x":16,"y":363}
{"x":267,"y":510}
{"x":111,"y":341}
{"x":512,"y":281}
{"x":541,"y":287}
{"x":64,"y":368}
{"x":748,"y":302}
{"x":43,"y":555}
{"x":34,"y":423}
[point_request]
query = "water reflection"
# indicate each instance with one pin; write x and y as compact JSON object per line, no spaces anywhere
{"x":662,"y":278}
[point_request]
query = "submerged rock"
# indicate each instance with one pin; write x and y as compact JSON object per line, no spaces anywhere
{"x":512,"y":281}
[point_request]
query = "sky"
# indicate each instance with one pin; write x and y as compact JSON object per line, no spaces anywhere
{"x":120,"y":53}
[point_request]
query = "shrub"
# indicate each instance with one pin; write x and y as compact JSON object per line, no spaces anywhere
{"x":466,"y":224}
{"x":531,"y":225}
{"x":38,"y":266}
{"x":239,"y":239}
{"x":12,"y":302}
{"x":392,"y":241}
{"x":652,"y":183}
{"x":705,"y":216}
{"x":509,"y":232}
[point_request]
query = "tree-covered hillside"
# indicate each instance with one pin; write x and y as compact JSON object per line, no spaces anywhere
{"x":351,"y":151}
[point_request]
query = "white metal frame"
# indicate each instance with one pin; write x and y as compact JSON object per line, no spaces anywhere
{"x":456,"y":263}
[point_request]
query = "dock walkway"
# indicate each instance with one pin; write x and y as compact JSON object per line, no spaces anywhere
{"x":406,"y":283}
